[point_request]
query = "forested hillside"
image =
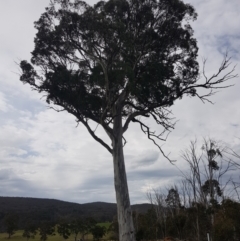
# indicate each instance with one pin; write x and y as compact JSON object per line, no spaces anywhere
{"x":39,"y":210}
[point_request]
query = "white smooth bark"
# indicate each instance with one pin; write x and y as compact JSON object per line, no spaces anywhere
{"x":125,"y":221}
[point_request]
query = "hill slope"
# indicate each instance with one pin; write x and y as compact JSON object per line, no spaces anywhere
{"x":38,"y":210}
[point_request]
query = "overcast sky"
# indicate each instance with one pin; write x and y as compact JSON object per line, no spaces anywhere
{"x":43,"y":154}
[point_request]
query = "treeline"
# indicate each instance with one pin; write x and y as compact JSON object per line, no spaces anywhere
{"x":39,"y":210}
{"x":77,"y":227}
{"x":169,"y":218}
{"x":47,"y":217}
{"x":204,"y":204}
{"x":221,"y":221}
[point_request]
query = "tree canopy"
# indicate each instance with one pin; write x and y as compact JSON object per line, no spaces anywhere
{"x":143,"y":52}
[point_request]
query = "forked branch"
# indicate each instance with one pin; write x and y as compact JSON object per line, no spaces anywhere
{"x":146,"y":130}
{"x":92,"y":133}
{"x":215,"y":81}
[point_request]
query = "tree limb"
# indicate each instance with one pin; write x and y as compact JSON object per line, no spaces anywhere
{"x":85,"y":123}
{"x":146,"y":130}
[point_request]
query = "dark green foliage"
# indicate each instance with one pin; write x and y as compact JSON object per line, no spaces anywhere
{"x":98,"y":232}
{"x":224,"y":230}
{"x":113,"y":229}
{"x":64,"y":230}
{"x":87,"y":225}
{"x":10,"y":223}
{"x":211,"y":186}
{"x":30,"y":230}
{"x":38,"y":210}
{"x":228,"y":220}
{"x":90,"y":55}
{"x":138,"y":52}
{"x":146,"y":225}
{"x":173,"y":199}
{"x":75,"y":227}
{"x":82,"y":226}
{"x":214,"y":185}
{"x":46,"y":229}
{"x":182,"y":225}
{"x":213,"y":165}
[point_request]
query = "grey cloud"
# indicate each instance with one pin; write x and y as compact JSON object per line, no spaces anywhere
{"x":236,"y":125}
{"x":149,"y":158}
{"x":152,"y":174}
{"x":230,"y":44}
{"x":97,"y":182}
{"x":143,"y":159}
{"x":12,"y":185}
{"x":103,"y":186}
{"x":95,"y":188}
{"x":87,"y":196}
{"x":5,"y":174}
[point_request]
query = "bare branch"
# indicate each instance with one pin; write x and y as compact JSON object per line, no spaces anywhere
{"x":85,"y":123}
{"x":57,"y":110}
{"x":146,"y":130}
{"x":215,"y":81}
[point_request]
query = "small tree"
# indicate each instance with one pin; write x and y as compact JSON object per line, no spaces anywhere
{"x":45,"y":230}
{"x":83,"y":227}
{"x":75,"y":227}
{"x":29,"y":231}
{"x":88,"y":225}
{"x":175,"y":220}
{"x":113,"y":229}
{"x":173,"y":199}
{"x":98,"y":232}
{"x":116,"y":62}
{"x":11,"y":223}
{"x":64,"y":230}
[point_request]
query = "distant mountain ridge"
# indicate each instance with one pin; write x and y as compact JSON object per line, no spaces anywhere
{"x":41,"y":209}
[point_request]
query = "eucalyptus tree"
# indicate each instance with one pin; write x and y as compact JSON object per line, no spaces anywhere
{"x":30,"y":231}
{"x":10,"y":222}
{"x":64,"y":230}
{"x":98,"y":232}
{"x":115,"y":62}
{"x":46,"y":229}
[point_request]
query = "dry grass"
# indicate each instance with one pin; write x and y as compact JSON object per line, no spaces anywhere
{"x":18,"y":237}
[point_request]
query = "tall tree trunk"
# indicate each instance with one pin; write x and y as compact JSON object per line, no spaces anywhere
{"x":125,"y":221}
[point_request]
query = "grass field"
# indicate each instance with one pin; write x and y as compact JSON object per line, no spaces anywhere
{"x":106,"y":225}
{"x":18,"y":236}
